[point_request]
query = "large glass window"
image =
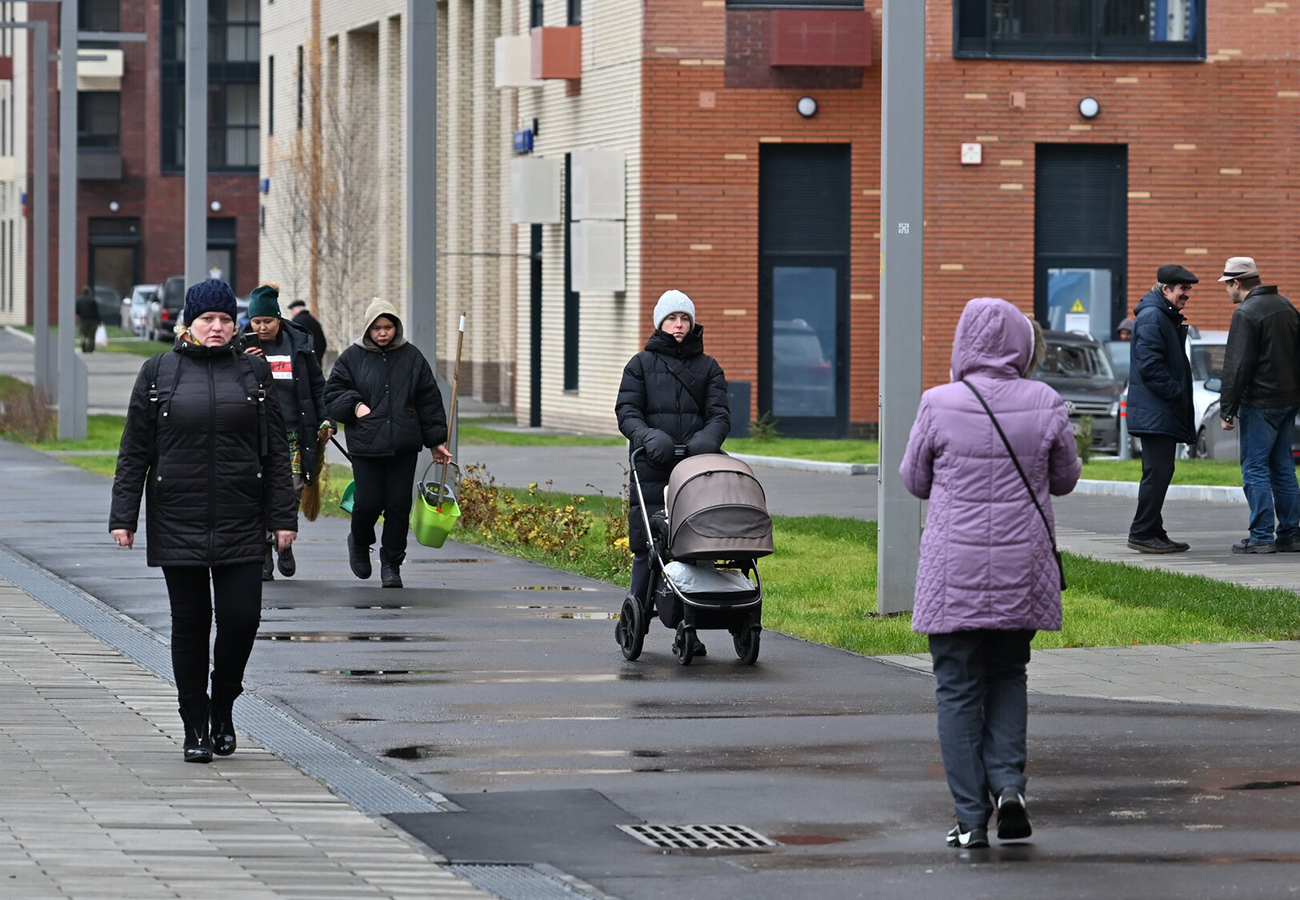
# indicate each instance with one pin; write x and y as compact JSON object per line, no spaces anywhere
{"x":233,"y":73}
{"x":1080,"y":29}
{"x":98,"y":120}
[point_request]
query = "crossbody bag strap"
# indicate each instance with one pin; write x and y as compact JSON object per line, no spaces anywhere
{"x":687,"y":380}
{"x":1023,"y":477}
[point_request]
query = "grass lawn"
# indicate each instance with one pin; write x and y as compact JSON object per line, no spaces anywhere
{"x":478,"y":432}
{"x":821,"y":585}
{"x":119,"y":341}
{"x":103,"y":432}
{"x":1186,"y":471}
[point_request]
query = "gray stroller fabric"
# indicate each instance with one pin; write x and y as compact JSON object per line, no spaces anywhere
{"x":716,"y":510}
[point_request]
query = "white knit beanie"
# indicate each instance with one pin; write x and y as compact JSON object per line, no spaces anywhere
{"x":672,"y":302}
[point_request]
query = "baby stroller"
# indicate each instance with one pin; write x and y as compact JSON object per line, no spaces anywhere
{"x":704,"y":549}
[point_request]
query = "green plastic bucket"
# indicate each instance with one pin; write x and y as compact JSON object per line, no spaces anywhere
{"x":349,"y":497}
{"x":430,"y":523}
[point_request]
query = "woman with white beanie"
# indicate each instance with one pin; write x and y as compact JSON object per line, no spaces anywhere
{"x":672,"y":403}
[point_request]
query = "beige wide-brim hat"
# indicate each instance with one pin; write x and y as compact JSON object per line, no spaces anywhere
{"x":1239,"y":267}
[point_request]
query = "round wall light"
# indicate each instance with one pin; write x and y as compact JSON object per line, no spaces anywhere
{"x":114,"y":206}
{"x":807,"y":107}
{"x":216,"y":206}
{"x":1089,"y":107}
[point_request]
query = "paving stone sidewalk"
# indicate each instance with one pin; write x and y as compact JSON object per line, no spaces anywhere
{"x":97,"y":802}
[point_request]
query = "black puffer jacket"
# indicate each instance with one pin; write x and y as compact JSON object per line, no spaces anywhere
{"x":657,"y":412}
{"x":1261,"y":365}
{"x":397,"y":383}
{"x":309,"y":387}
{"x":211,"y":494}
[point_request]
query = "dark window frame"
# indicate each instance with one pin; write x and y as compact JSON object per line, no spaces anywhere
{"x":575,"y":12}
{"x":302,"y":75}
{"x":1089,"y":45}
{"x":536,"y":13}
{"x":99,"y":141}
{"x":795,"y":4}
{"x":94,"y":15}
{"x":270,"y":94}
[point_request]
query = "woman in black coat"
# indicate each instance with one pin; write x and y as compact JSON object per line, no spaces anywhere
{"x":300,"y":388}
{"x":204,"y":442}
{"x":672,"y":403}
{"x":383,"y":390}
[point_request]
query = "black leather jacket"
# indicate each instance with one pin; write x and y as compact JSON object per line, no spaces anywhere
{"x":1261,"y":367}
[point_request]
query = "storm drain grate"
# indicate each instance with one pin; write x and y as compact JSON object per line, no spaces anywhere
{"x":699,"y":837}
{"x":514,"y":881}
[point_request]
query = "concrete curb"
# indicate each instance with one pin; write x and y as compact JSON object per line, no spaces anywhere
{"x":808,"y":465}
{"x":29,"y":338}
{"x":1212,"y":493}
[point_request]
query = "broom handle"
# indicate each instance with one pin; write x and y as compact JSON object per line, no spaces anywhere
{"x":451,"y":418}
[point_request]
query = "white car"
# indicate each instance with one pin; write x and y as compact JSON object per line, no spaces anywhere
{"x":135,"y":309}
{"x":1206,"y":354}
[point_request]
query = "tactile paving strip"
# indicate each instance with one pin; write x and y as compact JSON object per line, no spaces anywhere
{"x":514,"y":881}
{"x":348,"y":775}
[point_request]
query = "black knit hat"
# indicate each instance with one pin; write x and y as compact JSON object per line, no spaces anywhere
{"x":209,"y":296}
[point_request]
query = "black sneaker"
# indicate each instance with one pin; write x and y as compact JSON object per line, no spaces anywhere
{"x":1013,"y":821}
{"x":359,"y":559}
{"x":964,"y":838}
{"x":1154,"y":545}
{"x":1246,"y":545}
{"x":1289,"y":545}
{"x":287,"y":564}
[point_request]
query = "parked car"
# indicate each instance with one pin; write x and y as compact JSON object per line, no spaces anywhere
{"x":166,"y":312}
{"x":1120,"y":353}
{"x":136,"y":307}
{"x":1206,"y":352}
{"x":109,"y":303}
{"x":1214,"y":442}
{"x":803,"y":379}
{"x":1079,"y":369}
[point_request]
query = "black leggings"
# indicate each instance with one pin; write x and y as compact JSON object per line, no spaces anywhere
{"x":384,"y":487}
{"x":238,"y":594}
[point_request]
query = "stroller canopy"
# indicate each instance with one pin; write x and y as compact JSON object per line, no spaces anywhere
{"x":716,"y":509}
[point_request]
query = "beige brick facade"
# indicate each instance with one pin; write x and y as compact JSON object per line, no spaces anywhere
{"x":13,"y":170}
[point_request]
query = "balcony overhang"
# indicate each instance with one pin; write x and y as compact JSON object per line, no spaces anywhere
{"x":557,"y":53}
{"x":95,"y":165}
{"x":821,"y":37}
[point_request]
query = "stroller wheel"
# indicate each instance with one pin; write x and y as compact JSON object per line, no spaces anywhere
{"x":746,"y":642}
{"x":630,"y":630}
{"x":684,"y":645}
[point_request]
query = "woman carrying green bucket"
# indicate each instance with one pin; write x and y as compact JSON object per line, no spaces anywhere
{"x":382,"y":388}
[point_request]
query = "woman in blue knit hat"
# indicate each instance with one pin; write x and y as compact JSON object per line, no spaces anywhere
{"x":205,"y":444}
{"x":300,"y":387}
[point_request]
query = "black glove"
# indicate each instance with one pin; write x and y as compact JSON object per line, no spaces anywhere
{"x":660,"y":449}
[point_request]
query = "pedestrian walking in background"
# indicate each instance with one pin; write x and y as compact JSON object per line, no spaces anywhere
{"x":300,"y":388}
{"x":1160,"y":401}
{"x":204,"y":442}
{"x":1261,"y":388}
{"x":382,"y":388}
{"x":87,"y":311}
{"x":672,"y":402}
{"x":987,"y":450}
{"x":303,"y":318}
{"x":1124,"y":330}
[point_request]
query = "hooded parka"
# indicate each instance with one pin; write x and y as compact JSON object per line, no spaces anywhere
{"x":308,"y":388}
{"x":986,"y":557}
{"x":211,"y":494}
{"x":396,"y":382}
{"x":657,"y":411}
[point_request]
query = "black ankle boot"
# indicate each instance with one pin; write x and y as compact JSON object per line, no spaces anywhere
{"x":390,"y":574}
{"x":194,"y":713}
{"x":358,"y":558}
{"x":223,"y":720}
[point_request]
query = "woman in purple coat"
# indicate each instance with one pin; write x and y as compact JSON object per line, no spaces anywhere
{"x":989,"y":577}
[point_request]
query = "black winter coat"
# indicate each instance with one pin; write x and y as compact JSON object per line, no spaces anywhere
{"x":406,"y":410}
{"x":1160,"y":376}
{"x":1261,"y":365}
{"x":309,"y":385}
{"x":210,"y":493}
{"x":657,"y":412}
{"x":309,"y":323}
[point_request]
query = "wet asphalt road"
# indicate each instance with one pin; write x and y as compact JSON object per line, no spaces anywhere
{"x":509,"y":697}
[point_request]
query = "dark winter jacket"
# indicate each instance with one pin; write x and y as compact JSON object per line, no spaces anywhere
{"x":210,"y":493}
{"x":1261,"y":365}
{"x":397,"y":383}
{"x":308,"y":386}
{"x":1160,"y":376}
{"x":657,"y":411}
{"x":307,"y":322}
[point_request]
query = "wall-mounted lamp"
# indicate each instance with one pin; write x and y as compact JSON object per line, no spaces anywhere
{"x":807,"y":107}
{"x":114,"y":206}
{"x":1089,"y":107}
{"x":216,"y":206}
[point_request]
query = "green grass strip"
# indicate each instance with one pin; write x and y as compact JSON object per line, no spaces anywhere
{"x":1186,"y":471}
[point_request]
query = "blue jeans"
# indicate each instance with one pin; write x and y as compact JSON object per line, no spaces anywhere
{"x":983,"y":716}
{"x":1268,"y":471}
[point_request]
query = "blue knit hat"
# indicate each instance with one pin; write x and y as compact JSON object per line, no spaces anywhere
{"x":209,"y":296}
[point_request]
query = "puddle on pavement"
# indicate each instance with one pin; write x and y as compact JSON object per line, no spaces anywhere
{"x":550,"y":587}
{"x":1263,"y":786}
{"x":588,"y":613}
{"x":313,"y":608}
{"x":414,"y":751}
{"x":367,"y":673}
{"x":337,"y":638}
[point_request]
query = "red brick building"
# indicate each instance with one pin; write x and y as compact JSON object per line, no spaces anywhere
{"x":130,"y":135}
{"x":1190,"y":158}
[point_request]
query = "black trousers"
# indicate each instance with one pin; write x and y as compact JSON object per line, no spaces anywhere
{"x":236,"y":595}
{"x":385,"y":486}
{"x":1157,"y":472}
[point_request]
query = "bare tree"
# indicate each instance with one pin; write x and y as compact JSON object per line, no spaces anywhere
{"x":290,"y":237}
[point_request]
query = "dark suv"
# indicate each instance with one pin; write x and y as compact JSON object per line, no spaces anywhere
{"x":1077,"y":367}
{"x":166,"y":311}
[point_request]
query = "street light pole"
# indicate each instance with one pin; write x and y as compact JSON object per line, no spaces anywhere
{"x":72,"y":369}
{"x":902,"y":200}
{"x":422,"y":176}
{"x":196,"y":141}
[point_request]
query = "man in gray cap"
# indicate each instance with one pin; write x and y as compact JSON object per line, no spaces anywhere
{"x":1159,"y":401}
{"x":1261,"y":388}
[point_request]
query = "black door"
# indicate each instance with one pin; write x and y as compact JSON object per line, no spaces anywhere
{"x":113,"y":264}
{"x":1081,"y":237}
{"x":804,"y":193}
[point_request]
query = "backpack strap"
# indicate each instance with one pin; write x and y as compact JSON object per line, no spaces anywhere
{"x":258,"y":392}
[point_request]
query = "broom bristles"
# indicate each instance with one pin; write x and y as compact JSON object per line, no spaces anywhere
{"x":311,"y":494}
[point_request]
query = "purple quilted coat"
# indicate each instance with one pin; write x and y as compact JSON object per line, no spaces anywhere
{"x":986,"y":559}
